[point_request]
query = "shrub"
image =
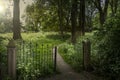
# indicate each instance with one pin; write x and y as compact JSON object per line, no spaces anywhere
{"x":3,"y":60}
{"x":108,"y":48}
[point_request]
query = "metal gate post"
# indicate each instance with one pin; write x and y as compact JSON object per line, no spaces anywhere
{"x":55,"y":58}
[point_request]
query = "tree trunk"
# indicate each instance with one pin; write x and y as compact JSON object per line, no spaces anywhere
{"x":82,"y":17}
{"x":74,"y":21}
{"x":102,"y":18}
{"x":60,"y":15}
{"x":102,"y":10}
{"x":16,"y":21}
{"x":114,"y":6}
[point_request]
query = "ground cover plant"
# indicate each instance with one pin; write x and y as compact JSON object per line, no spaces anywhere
{"x":108,"y":48}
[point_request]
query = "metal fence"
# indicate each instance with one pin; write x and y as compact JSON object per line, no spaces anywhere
{"x":27,"y":61}
{"x":3,"y":65}
{"x":35,"y":60}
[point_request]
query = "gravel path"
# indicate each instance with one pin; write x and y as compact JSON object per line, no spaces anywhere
{"x":67,"y":73}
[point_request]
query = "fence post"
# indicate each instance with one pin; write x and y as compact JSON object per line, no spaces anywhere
{"x":55,"y":58}
{"x":86,"y":55}
{"x":11,"y":51}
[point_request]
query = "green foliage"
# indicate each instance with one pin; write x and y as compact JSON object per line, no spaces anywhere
{"x":41,"y":16}
{"x":27,"y":71}
{"x":73,"y":54}
{"x":3,"y":58}
{"x":108,"y":48}
{"x":35,"y":61}
{"x":5,"y":24}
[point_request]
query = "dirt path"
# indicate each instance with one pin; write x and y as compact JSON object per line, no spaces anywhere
{"x":63,"y":67}
{"x":67,"y":73}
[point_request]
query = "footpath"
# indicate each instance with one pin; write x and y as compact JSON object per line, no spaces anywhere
{"x":67,"y":73}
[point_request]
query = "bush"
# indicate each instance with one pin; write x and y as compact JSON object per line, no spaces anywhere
{"x":71,"y":55}
{"x":3,"y":60}
{"x":108,"y":48}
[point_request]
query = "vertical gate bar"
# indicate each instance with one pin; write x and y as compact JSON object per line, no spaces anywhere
{"x":27,"y":45}
{"x":39,"y":59}
{"x":52,"y":54}
{"x":47,"y":57}
{"x":23,"y":52}
{"x":20,"y":53}
{"x":36,"y":56}
{"x":55,"y":58}
{"x":19,"y":49}
{"x":33,"y":54}
{"x":42,"y":58}
{"x":50,"y":57}
{"x":30,"y":56}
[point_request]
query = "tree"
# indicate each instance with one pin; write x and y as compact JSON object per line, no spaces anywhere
{"x":60,"y":15}
{"x":82,"y":17}
{"x":114,"y":6}
{"x":102,"y":6}
{"x":89,"y":15}
{"x":73,"y":21}
{"x":16,"y":20}
{"x":41,"y":15}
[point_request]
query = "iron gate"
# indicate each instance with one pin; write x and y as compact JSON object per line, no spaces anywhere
{"x":35,"y":60}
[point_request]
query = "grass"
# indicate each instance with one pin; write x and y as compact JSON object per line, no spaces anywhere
{"x":42,"y":37}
